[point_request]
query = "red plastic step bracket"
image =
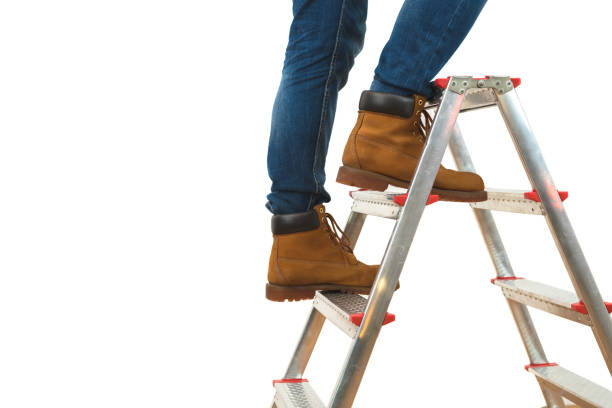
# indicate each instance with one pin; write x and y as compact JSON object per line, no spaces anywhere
{"x":505,"y":278}
{"x":581,"y":308}
{"x":534,"y":196}
{"x":356,"y":318}
{"x":443,"y":82}
{"x":528,"y":366}
{"x":289,"y":380}
{"x":401,"y":199}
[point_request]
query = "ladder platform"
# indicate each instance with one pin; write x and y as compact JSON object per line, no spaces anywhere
{"x":295,"y":393}
{"x":550,"y":299}
{"x":388,"y":204}
{"x":345,"y":310}
{"x":579,"y":390}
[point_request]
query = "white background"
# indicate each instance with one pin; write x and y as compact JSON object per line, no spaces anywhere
{"x":134,"y":239}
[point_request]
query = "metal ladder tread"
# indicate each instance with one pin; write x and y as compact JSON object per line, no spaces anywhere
{"x":509,"y":201}
{"x":579,"y":390}
{"x":541,"y":296}
{"x":296,"y":393}
{"x":345,"y":310}
{"x":388,"y":204}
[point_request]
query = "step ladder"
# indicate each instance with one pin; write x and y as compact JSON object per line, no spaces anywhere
{"x":362,"y":319}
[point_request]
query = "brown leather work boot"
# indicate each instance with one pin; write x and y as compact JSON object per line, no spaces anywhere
{"x":310,"y":252}
{"x":386,"y":144}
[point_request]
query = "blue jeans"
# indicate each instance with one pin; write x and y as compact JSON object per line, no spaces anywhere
{"x":325,"y":38}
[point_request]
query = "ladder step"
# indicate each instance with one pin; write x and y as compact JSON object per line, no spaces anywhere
{"x":550,"y":299}
{"x":295,"y":393}
{"x":345,"y":310}
{"x":579,"y":390}
{"x":386,"y":204}
{"x":510,"y":201}
{"x":516,"y":201}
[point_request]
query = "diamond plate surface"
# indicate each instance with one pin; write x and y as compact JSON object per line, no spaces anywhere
{"x":296,"y":395}
{"x":544,"y":297}
{"x":348,"y":303}
{"x":577,"y":389}
{"x":338,"y":307}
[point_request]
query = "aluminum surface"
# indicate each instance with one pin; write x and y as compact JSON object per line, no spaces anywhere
{"x":475,"y":98}
{"x":305,"y":345}
{"x":338,"y":307}
{"x":376,"y":203}
{"x":396,"y":252}
{"x":558,"y":221}
{"x":544,"y":297}
{"x":575,"y":388}
{"x":509,"y":201}
{"x":296,"y":395}
{"x":503,"y":268}
{"x":353,"y":227}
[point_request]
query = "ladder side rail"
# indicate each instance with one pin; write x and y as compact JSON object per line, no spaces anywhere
{"x":353,"y":227}
{"x":396,"y":252}
{"x":503,"y":267}
{"x":558,"y":221}
{"x":305,"y":346}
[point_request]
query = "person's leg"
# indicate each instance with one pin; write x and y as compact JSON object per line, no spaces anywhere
{"x":309,"y":251}
{"x":426,"y":34}
{"x":388,"y":139}
{"x":325,"y":37}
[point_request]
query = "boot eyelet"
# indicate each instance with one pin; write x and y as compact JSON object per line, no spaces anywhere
{"x":420,"y":102}
{"x":321,"y":210}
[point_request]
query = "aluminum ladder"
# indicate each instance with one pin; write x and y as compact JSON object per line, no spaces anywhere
{"x":362,"y":319}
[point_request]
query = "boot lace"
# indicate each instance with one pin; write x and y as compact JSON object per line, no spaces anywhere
{"x":333,"y":228}
{"x":425,"y":122}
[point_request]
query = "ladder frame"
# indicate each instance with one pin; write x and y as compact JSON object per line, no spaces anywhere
{"x":445,"y":132}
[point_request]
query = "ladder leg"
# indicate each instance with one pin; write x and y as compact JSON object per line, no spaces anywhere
{"x":396,"y":252}
{"x":501,"y":261}
{"x":353,"y":227}
{"x":558,"y":221}
{"x":305,"y":345}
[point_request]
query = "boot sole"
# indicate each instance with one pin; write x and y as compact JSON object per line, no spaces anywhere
{"x":279,"y":293}
{"x":379,"y":182}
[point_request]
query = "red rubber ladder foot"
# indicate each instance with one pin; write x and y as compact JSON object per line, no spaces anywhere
{"x":581,"y":308}
{"x":356,"y":318}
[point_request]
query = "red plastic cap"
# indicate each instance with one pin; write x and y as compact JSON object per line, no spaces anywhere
{"x":581,"y":308}
{"x":356,"y":318}
{"x":534,"y":196}
{"x":506,"y":278}
{"x":443,"y":82}
{"x":528,"y":366}
{"x":401,"y":199}
{"x":289,"y":380}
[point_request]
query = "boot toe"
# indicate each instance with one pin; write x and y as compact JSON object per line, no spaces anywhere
{"x":458,"y":180}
